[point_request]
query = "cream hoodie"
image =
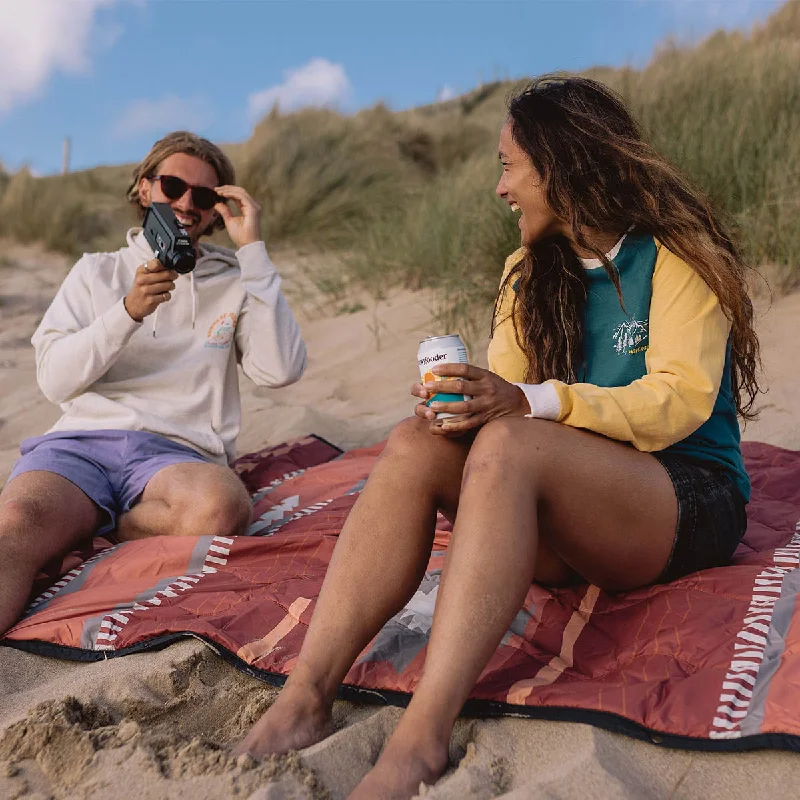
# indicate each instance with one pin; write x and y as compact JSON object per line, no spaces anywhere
{"x":173,"y":374}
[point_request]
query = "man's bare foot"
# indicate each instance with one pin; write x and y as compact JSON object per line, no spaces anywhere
{"x":405,"y":762}
{"x":298,"y":718}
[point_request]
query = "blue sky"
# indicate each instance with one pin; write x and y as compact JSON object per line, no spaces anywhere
{"x":114,"y":75}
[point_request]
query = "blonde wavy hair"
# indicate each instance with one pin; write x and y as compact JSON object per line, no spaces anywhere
{"x":189,"y":144}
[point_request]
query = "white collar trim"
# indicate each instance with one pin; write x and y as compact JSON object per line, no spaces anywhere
{"x":595,"y":263}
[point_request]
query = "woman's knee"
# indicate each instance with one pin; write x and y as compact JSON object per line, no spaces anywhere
{"x":412,"y":448}
{"x":409,"y":438}
{"x":512,"y":445}
{"x":496,"y":444}
{"x":418,"y":461}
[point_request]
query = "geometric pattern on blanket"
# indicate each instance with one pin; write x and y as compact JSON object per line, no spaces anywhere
{"x":710,"y":661}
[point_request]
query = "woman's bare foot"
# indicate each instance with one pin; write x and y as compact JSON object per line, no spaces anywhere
{"x":298,"y":718}
{"x":407,"y":761}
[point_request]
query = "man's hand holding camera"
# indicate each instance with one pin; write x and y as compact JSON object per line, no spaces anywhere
{"x":245,"y":228}
{"x":152,"y":286}
{"x":154,"y":283}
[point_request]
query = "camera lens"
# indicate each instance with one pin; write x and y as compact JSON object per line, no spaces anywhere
{"x":183,"y":262}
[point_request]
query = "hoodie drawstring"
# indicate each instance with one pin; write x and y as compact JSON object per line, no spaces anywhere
{"x":194,"y":299}
{"x":194,"y":306}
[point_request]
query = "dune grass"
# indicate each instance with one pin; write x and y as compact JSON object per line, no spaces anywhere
{"x":406,"y":198}
{"x":452,"y":239}
{"x":734,"y":131}
{"x":71,"y":214}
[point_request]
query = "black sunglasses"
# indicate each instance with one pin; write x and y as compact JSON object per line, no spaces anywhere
{"x":174,"y":188}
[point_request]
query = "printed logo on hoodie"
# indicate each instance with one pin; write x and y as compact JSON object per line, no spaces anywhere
{"x":220,"y":333}
{"x":631,"y":337}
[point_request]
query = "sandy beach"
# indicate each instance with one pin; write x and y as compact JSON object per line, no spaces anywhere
{"x":159,"y":725}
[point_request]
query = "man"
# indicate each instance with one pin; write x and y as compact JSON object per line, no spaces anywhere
{"x":143,"y":363}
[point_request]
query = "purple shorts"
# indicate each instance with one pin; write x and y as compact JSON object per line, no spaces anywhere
{"x":111,"y":467}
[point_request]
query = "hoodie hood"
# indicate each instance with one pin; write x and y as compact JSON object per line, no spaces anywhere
{"x":213,"y":258}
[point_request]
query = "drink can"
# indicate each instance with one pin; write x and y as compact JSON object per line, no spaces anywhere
{"x":441,"y":350}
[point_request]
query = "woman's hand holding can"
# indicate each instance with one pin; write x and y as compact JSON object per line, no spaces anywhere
{"x":490,"y":397}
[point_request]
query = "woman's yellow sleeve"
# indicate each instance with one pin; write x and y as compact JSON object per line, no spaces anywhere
{"x":505,"y":356}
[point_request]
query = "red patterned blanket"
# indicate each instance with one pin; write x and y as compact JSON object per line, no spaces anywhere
{"x":710,"y":661}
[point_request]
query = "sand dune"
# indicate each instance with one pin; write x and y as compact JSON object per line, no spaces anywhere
{"x":158,"y":725}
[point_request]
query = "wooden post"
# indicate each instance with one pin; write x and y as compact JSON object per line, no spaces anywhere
{"x":65,"y":163}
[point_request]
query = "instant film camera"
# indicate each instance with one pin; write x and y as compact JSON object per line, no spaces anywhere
{"x":169,"y":240}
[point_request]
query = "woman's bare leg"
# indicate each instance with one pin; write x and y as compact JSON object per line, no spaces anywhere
{"x":393,"y":524}
{"x":524,"y":479}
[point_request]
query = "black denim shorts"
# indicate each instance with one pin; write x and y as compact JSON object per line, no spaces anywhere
{"x":712,"y":516}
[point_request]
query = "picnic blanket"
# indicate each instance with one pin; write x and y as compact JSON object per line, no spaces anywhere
{"x":710,"y":661}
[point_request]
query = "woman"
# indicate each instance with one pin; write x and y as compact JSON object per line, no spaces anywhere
{"x":602,"y":446}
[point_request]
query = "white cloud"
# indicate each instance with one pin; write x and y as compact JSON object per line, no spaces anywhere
{"x":317,"y":83}
{"x":161,"y":116}
{"x":41,"y":37}
{"x":445,"y":93}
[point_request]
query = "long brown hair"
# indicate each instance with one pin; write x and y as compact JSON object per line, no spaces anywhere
{"x":602,"y":176}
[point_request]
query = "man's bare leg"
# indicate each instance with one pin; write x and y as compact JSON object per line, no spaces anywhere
{"x":34,"y":529}
{"x":189,"y":499}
